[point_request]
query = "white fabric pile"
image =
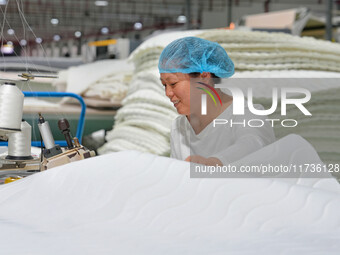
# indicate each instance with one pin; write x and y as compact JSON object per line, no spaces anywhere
{"x":252,"y":50}
{"x":322,"y":128}
{"x":105,"y":79}
{"x":276,"y":51}
{"x":143,"y":117}
{"x":136,"y":203}
{"x":143,"y":122}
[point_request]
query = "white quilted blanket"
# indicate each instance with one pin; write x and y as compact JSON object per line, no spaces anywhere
{"x":106,"y":79}
{"x":135,"y":203}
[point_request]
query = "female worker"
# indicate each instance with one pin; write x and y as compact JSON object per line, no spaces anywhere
{"x":189,"y":67}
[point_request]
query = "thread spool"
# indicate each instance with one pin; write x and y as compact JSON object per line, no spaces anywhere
{"x":19,"y":143}
{"x":11,"y":107}
{"x":46,"y":134}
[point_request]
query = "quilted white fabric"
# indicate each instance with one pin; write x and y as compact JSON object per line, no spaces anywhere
{"x":143,"y":123}
{"x":322,"y":129}
{"x":136,"y":203}
{"x":252,"y":50}
{"x":106,"y":79}
{"x":262,"y":82}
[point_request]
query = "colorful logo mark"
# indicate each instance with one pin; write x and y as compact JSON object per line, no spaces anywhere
{"x":204,"y":97}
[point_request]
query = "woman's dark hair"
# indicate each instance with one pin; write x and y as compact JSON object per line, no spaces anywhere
{"x":217,"y":79}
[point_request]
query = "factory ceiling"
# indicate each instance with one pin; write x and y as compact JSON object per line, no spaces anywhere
{"x":61,"y":19}
{"x":47,"y":18}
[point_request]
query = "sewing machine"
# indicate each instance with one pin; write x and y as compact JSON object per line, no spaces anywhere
{"x":18,"y":162}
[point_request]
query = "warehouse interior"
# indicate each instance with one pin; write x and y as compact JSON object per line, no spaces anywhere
{"x":66,"y":27}
{"x":89,"y":161}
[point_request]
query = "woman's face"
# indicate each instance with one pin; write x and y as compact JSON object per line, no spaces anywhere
{"x":177,"y":89}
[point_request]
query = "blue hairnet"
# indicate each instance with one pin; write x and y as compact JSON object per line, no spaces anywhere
{"x":195,"y":55}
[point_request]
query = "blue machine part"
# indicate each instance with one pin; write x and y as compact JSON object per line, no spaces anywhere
{"x":81,"y":121}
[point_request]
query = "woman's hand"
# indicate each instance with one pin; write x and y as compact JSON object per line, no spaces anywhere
{"x":204,"y":161}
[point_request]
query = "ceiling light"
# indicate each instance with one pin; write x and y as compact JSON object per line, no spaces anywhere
{"x":54,"y":21}
{"x":138,"y":26}
{"x":3,"y":2}
{"x":38,"y":40}
{"x":10,"y":31}
{"x":23,"y":42}
{"x":77,"y":34}
{"x":56,"y":38}
{"x":181,"y":19}
{"x":104,"y":30}
{"x":101,"y":3}
{"x":7,"y":49}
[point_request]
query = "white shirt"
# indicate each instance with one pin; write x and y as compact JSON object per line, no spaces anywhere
{"x":226,"y":142}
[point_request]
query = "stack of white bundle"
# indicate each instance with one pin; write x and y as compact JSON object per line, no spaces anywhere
{"x":143,"y":122}
{"x":276,"y":51}
{"x":322,"y":128}
{"x":106,"y":79}
{"x":252,"y":50}
{"x":264,"y":52}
